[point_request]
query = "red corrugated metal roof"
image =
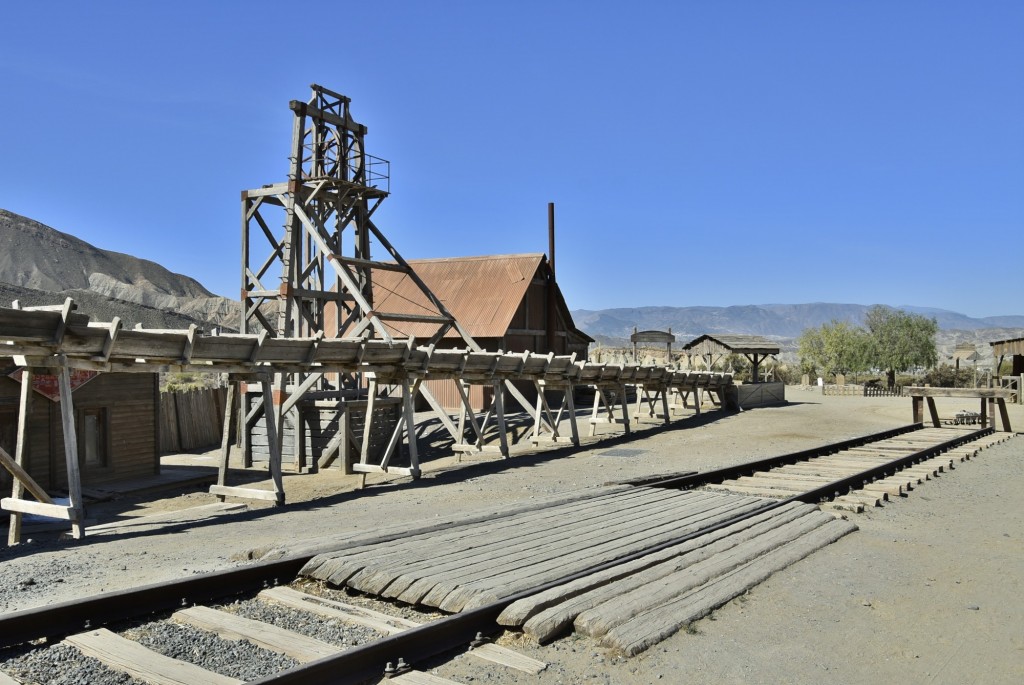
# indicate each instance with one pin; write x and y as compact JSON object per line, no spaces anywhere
{"x":482,"y":293}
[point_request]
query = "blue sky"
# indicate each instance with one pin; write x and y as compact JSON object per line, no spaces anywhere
{"x":699,"y":153}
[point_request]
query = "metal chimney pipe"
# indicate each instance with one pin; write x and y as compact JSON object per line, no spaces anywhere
{"x":552,"y":336}
{"x":551,"y":236}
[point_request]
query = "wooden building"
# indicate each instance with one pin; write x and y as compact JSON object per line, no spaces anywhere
{"x":116,"y":422}
{"x":1014,"y":349}
{"x":510,"y":303}
{"x":711,"y":349}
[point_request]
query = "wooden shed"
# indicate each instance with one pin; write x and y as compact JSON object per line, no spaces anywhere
{"x":712,"y":348}
{"x":116,"y":422}
{"x":1014,"y":349}
{"x":510,"y":303}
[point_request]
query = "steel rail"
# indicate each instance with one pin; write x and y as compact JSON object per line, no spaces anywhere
{"x":356,"y":665}
{"x":359,"y":664}
{"x":728,"y":473}
{"x":855,"y":481}
{"x":65,"y":618}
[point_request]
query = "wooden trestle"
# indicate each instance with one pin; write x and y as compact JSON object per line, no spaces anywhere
{"x":55,"y":340}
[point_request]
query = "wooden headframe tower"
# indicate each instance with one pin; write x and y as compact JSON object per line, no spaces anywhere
{"x":323,"y":255}
{"x":308,"y":271}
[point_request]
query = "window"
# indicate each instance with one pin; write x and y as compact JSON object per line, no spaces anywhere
{"x":93,"y":450}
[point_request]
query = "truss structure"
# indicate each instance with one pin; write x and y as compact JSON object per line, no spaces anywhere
{"x":54,"y":340}
{"x":322,"y":258}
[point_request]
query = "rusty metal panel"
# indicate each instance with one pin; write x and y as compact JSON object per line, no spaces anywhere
{"x":482,"y":293}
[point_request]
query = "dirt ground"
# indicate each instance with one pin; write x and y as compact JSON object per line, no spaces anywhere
{"x":929,"y":590}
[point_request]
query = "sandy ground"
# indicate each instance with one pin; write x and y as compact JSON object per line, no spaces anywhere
{"x":928,"y":591}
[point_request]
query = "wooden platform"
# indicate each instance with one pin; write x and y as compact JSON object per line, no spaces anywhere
{"x":467,"y":566}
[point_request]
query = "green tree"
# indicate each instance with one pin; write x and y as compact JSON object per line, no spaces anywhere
{"x":901,"y":341}
{"x":835,"y":347}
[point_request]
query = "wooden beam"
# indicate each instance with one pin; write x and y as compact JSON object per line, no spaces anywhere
{"x":246,"y":493}
{"x":67,"y":414}
{"x":129,"y":657}
{"x":27,"y":506}
{"x":22,"y":478}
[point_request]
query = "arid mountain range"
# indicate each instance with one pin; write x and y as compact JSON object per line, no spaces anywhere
{"x":40,"y":265}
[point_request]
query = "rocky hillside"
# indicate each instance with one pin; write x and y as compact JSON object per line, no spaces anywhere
{"x":40,"y":265}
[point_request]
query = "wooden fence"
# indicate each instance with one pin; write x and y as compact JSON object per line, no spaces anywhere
{"x":191,"y":420}
{"x":862,"y":390}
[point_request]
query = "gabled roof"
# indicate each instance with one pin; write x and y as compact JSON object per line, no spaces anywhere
{"x":1005,"y":347}
{"x":482,"y":293}
{"x":740,"y":344}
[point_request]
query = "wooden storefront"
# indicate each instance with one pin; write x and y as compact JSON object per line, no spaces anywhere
{"x":116,"y":422}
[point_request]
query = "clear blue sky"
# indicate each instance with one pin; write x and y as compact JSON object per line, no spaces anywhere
{"x":699,"y":153}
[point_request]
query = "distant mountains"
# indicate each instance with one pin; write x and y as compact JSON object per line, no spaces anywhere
{"x":779,"y":321}
{"x":40,"y":265}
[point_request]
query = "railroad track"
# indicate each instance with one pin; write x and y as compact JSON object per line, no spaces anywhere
{"x":628,"y":564}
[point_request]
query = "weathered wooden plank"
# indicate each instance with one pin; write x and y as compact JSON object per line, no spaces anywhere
{"x":507,"y":657}
{"x":341,"y":567}
{"x":248,"y":493}
{"x":234,"y":627}
{"x":752,"y":491}
{"x":653,"y":626}
{"x":22,"y":476}
{"x":973,"y":393}
{"x":554,"y":613}
{"x":7,"y":680}
{"x":139,"y":662}
{"x":332,"y":609}
{"x":27,"y":506}
{"x":570,"y":539}
{"x":388,"y":625}
{"x":472,"y":595}
{"x":487,"y":544}
{"x":343,"y":543}
{"x":642,"y":597}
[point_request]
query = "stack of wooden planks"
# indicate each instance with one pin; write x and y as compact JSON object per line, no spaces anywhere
{"x":630,"y":605}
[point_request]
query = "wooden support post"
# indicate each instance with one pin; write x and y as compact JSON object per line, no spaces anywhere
{"x":408,"y":393}
{"x":570,"y":402}
{"x":273,"y":440}
{"x":467,"y":409}
{"x":1004,"y":417}
{"x":543,"y":407}
{"x":67,"y":415}
{"x":371,"y":398}
{"x":984,"y":412}
{"x":933,"y":412}
{"x":225,"y":438}
{"x":345,"y":448}
{"x":625,"y":408}
{"x":20,"y":453}
{"x":598,"y":398}
{"x":917,"y":407}
{"x":499,"y":412}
